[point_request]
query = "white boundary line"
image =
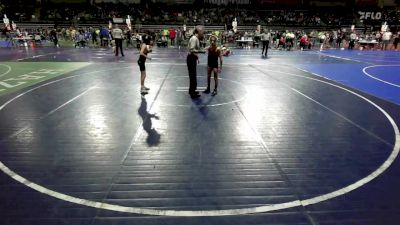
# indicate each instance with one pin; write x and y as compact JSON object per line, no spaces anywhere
{"x":381,"y":57}
{"x":69,"y":101}
{"x":364,"y":53}
{"x":231,"y":64}
{"x":34,"y":57}
{"x":383,"y":81}
{"x":190,"y":213}
{"x":358,"y":59}
{"x":374,"y":174}
{"x":53,"y":111}
{"x":378,"y":60}
{"x":7,"y":72}
{"x":343,"y":58}
{"x":200,"y":88}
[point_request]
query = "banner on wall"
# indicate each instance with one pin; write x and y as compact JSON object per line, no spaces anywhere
{"x":366,"y":2}
{"x":118,"y":20}
{"x":370,"y":15}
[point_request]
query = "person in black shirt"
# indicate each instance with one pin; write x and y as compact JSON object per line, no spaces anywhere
{"x":128,"y":38}
{"x":53,"y":35}
{"x":396,"y":40}
{"x":94,"y":37}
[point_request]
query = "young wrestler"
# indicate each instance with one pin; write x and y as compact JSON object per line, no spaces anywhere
{"x":213,"y":55}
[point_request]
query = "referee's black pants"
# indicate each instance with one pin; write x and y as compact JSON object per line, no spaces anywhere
{"x":265,"y":47}
{"x":118,"y":45}
{"x":191,"y":62}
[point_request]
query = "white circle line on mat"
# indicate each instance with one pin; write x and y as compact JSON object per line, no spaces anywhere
{"x":190,"y":213}
{"x":208,"y":105}
{"x":8,"y":70}
{"x":375,"y":78}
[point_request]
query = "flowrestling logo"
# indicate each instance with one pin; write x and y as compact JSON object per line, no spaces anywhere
{"x":370,"y":15}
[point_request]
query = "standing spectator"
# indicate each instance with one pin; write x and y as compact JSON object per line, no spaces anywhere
{"x":118,"y":36}
{"x":289,"y":40}
{"x":128,"y":38}
{"x":304,"y":42}
{"x":396,"y":40}
{"x":378,"y":38}
{"x":330,"y":39}
{"x":386,"y":39}
{"x":165,"y":33}
{"x":172,"y":35}
{"x":353,"y":37}
{"x":275,"y":40}
{"x":339,"y":39}
{"x":94,"y":37}
{"x":104,"y":35}
{"x":87,"y":35}
{"x":53,"y":35}
{"x":164,"y":42}
{"x":335,"y":37}
{"x":314,"y":37}
{"x":138,"y":40}
{"x":68,"y":34}
{"x":282,"y":42}
{"x":179,"y":37}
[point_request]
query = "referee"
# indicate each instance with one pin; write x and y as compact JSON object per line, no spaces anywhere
{"x":118,"y":36}
{"x":192,"y":60}
{"x":265,"y":37}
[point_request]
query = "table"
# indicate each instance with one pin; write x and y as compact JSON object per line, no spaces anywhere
{"x":365,"y":43}
{"x":22,"y":39}
{"x":244,"y":43}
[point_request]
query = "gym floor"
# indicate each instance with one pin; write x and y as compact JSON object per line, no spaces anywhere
{"x":296,"y":138}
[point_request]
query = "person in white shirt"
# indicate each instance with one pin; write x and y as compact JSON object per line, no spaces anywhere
{"x":386,"y":39}
{"x":118,"y":36}
{"x":353,"y":37}
{"x":192,"y":60}
{"x":265,"y":37}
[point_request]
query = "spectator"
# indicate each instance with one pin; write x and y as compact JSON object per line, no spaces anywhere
{"x":172,"y":35}
{"x":386,"y":39}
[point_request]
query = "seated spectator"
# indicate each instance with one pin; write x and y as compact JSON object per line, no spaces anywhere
{"x":282,"y":42}
{"x":164,"y":41}
{"x":305,"y":42}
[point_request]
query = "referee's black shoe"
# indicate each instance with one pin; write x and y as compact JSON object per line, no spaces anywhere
{"x":196,"y":95}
